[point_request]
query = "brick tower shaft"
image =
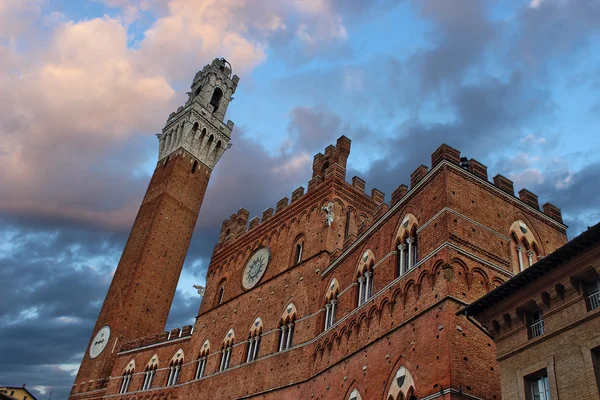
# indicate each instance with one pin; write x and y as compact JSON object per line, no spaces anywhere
{"x":141,"y":293}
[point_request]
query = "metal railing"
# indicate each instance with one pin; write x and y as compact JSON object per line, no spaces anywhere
{"x":594,"y":300}
{"x":537,"y":328}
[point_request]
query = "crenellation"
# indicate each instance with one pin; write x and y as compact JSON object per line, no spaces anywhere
{"x":553,"y":212}
{"x":281,"y":204}
{"x":358,"y":184}
{"x":478,"y":169}
{"x":253,"y":223}
{"x":175,"y":332}
{"x":377,"y":196}
{"x":529,"y":198}
{"x":417,"y":175}
{"x":268,"y":213}
{"x":296,"y":194}
{"x":445,"y":152}
{"x":315,"y":182}
{"x":504,"y":184}
{"x":398,"y":194}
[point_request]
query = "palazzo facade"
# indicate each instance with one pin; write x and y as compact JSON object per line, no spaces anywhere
{"x":332,"y":294}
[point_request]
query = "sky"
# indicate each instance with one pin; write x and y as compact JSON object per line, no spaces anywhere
{"x":86,"y":84}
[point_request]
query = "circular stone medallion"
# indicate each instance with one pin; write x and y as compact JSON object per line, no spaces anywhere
{"x":255,"y":267}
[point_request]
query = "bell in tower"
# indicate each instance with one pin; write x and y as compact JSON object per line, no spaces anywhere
{"x":198,"y":126}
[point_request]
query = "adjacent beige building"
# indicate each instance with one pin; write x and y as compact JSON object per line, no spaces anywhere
{"x":545,"y":322}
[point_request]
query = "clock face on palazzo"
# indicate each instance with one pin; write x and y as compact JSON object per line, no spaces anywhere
{"x":255,"y":267}
{"x":100,"y":341}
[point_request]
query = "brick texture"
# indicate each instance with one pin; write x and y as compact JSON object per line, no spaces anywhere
{"x":464,"y":251}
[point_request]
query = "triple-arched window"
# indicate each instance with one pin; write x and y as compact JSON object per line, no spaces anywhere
{"x":175,"y":368}
{"x":254,"y":340}
{"x":127,"y":375}
{"x":364,"y":277}
{"x":287,"y":324}
{"x":202,"y":358}
{"x":407,"y":243}
{"x":524,"y":248}
{"x":149,"y":372}
{"x":331,"y":303}
{"x":226,"y":349}
{"x":402,"y":386}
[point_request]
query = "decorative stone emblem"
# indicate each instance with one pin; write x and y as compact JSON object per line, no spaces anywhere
{"x":255,"y":267}
{"x":100,"y":341}
{"x":366,"y":256}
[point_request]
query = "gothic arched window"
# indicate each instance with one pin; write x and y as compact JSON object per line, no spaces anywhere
{"x":127,"y":375}
{"x":254,"y":340}
{"x":402,"y":386}
{"x":286,"y":326}
{"x":226,"y":349}
{"x":202,"y":358}
{"x":331,"y":303}
{"x":523,"y":247}
{"x":175,"y":368}
{"x":149,"y":372}
{"x":407,"y":244}
{"x":365,"y":277}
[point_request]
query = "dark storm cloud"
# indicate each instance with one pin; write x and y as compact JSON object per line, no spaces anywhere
{"x":576,"y":193}
{"x":59,"y":263}
{"x":55,"y":280}
{"x":487,"y":118}
{"x":460,"y":35}
{"x":553,"y":31}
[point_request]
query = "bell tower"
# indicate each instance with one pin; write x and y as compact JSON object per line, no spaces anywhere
{"x":140,"y":295}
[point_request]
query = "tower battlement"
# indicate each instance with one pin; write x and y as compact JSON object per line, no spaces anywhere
{"x":198,"y":126}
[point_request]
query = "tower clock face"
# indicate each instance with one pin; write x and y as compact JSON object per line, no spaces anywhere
{"x":100,"y":341}
{"x":255,"y":267}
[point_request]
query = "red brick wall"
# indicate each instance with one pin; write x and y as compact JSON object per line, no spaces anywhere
{"x":464,"y":252}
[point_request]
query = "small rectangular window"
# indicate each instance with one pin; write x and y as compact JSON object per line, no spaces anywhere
{"x":593,"y":294}
{"x":537,"y":386}
{"x":596,"y":363}
{"x":299,"y":248}
{"x":536,"y":324}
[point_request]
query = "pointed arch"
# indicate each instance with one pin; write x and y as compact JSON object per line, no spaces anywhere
{"x":407,"y":244}
{"x":150,"y":371}
{"x":333,"y":288}
{"x":524,"y":248}
{"x":289,"y":312}
{"x":364,"y":276}
{"x":127,"y":375}
{"x":202,"y":359}
{"x":175,"y":367}
{"x":354,"y":392}
{"x":254,"y":338}
{"x":229,"y":338}
{"x":226,"y":349}
{"x":298,"y":249}
{"x":401,"y":384}
{"x":287,"y":324}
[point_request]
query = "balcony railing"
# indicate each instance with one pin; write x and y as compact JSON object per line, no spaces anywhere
{"x":536,"y":329}
{"x":594,"y":300}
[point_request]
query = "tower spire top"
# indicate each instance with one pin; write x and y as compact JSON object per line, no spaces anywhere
{"x":198,"y":126}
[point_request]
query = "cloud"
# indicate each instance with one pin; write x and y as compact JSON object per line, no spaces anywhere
{"x":79,"y":103}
